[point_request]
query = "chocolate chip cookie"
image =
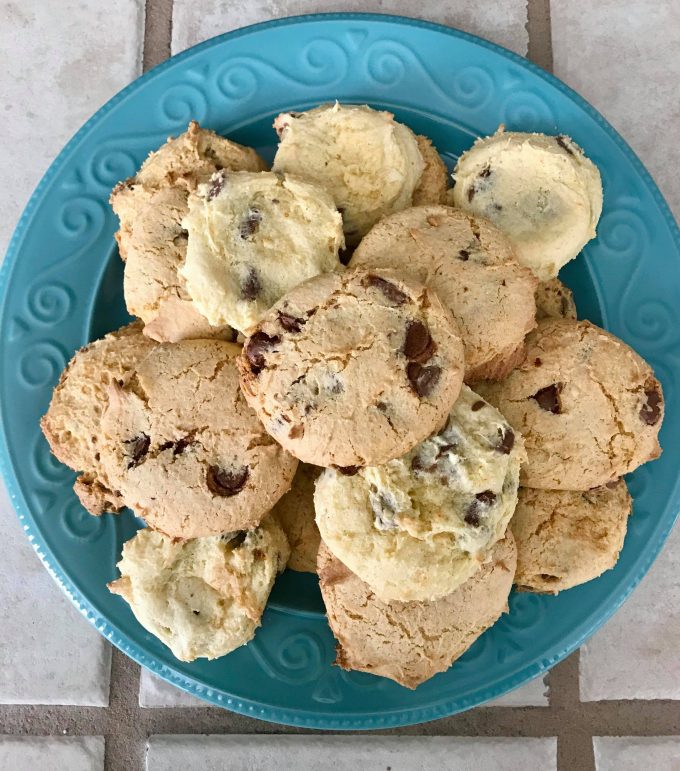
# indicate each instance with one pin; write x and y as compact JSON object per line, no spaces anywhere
{"x":72,"y":422}
{"x":353,"y":368}
{"x":554,"y":300}
{"x":203,"y":597}
{"x":566,"y":538}
{"x":152,"y":240}
{"x":186,"y":452}
{"x":418,"y":527}
{"x":409,"y":642}
{"x":588,"y":406}
{"x":472,"y":267}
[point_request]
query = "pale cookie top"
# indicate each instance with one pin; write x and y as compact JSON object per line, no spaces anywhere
{"x":409,"y":642}
{"x":588,"y":406}
{"x":417,"y":527}
{"x":566,"y":538}
{"x":541,"y":191}
{"x":554,"y":300}
{"x":152,"y":240}
{"x":472,"y":267}
{"x":252,"y":237}
{"x":353,"y":368}
{"x":72,"y":424}
{"x":184,"y":448}
{"x":295,"y":513}
{"x":203,"y":597}
{"x":368,"y":162}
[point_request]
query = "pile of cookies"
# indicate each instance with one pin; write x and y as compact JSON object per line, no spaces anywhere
{"x":343,"y":366}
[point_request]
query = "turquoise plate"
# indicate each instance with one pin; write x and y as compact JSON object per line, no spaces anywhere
{"x":62,"y":286}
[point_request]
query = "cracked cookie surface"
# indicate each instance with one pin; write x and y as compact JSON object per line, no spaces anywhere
{"x":151,"y":238}
{"x":295,"y":513}
{"x":589,"y":408}
{"x":409,"y":642}
{"x":419,"y":526}
{"x":566,"y":538}
{"x":370,"y":163}
{"x":541,"y":191}
{"x":203,"y":597}
{"x":353,"y":368}
{"x":251,"y":238}
{"x":185,"y":450}
{"x":72,"y":422}
{"x":473,"y":269}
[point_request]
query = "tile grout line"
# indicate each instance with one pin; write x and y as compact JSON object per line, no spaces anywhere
{"x":539,"y":32}
{"x":157,"y":32}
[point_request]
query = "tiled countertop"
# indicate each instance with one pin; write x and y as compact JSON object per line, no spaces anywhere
{"x":67,"y":701}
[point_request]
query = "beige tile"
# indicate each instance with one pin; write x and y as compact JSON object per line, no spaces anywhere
{"x":502,"y":21}
{"x":624,"y":57}
{"x":73,"y":753}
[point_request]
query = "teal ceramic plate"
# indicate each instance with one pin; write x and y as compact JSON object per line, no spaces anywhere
{"x":62,"y":286}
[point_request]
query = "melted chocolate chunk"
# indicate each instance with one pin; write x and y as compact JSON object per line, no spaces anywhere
{"x":423,"y":379}
{"x":137,"y":448}
{"x":256,"y":347}
{"x":290,"y":323}
{"x":651,"y":409}
{"x":538,"y":362}
{"x":251,"y":286}
{"x":464,"y":255}
{"x":506,"y":441}
{"x":251,"y":224}
{"x":548,"y":398}
{"x":216,"y":186}
{"x":487,"y":497}
{"x":381,"y":406}
{"x":472,"y":515}
{"x":562,"y":142}
{"x":485,"y":173}
{"x":477,"y":406}
{"x":348,"y":471}
{"x":419,"y":345}
{"x":226,"y":482}
{"x":391,"y":292}
{"x":180,"y":445}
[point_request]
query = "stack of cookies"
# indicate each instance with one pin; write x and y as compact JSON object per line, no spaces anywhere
{"x":342,"y":366}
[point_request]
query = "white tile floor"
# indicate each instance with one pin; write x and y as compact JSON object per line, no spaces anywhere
{"x":502,"y":21}
{"x":630,"y":753}
{"x":34,"y":753}
{"x":349,"y":753}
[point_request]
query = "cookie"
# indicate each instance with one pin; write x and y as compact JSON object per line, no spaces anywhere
{"x":183,"y":447}
{"x":589,"y":408}
{"x":409,"y":642}
{"x":72,"y":422}
{"x":203,"y":597}
{"x":353,"y":368}
{"x":295,"y":513}
{"x":434,"y":180}
{"x":554,"y":300}
{"x":152,"y":240}
{"x":472,"y":267}
{"x":252,"y":237}
{"x":541,"y":191}
{"x":418,"y":527}
{"x":566,"y":538}
{"x":368,"y":162}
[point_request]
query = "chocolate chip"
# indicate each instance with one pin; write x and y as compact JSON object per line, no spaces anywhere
{"x":487,"y":497}
{"x":477,"y":406}
{"x":256,"y":347}
{"x":506,"y":441}
{"x":464,"y":255}
{"x":348,"y":471}
{"x":418,"y":345}
{"x":290,"y":323}
{"x":445,"y":449}
{"x":538,"y":362}
{"x":423,"y":379}
{"x":391,"y":292}
{"x":345,"y":255}
{"x":251,"y":286}
{"x":381,"y":406}
{"x":216,"y":186}
{"x":472,"y":515}
{"x":651,"y":409}
{"x":226,"y":482}
{"x":137,"y":448}
{"x":417,"y":463}
{"x":275,"y":200}
{"x":251,"y":224}
{"x":238,"y":539}
{"x":497,"y":207}
{"x":562,"y":142}
{"x":485,"y":173}
{"x":471,"y":194}
{"x":296,"y":432}
{"x":196,"y":612}
{"x":183,"y":443}
{"x":548,"y":398}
